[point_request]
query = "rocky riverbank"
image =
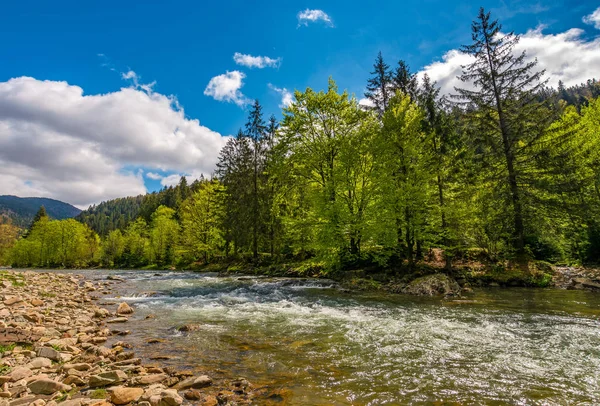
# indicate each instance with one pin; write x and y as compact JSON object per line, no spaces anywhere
{"x":54,"y":351}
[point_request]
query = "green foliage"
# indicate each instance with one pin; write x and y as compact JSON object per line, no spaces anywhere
{"x":56,"y":243}
{"x":508,"y":170}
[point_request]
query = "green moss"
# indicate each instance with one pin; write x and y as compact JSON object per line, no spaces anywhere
{"x":8,"y":347}
{"x":99,"y":394}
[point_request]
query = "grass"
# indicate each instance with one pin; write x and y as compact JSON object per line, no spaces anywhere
{"x":65,"y":395}
{"x":15,"y":279}
{"x":5,"y":348}
{"x":99,"y":394}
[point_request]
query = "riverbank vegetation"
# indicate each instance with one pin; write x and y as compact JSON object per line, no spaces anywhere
{"x":504,"y":171}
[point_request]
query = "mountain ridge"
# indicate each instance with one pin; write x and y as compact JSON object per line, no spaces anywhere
{"x":21,"y":210}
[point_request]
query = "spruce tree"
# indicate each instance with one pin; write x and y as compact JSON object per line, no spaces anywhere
{"x":405,"y":81}
{"x":378,"y":87}
{"x":506,"y":110}
{"x":256,"y":130}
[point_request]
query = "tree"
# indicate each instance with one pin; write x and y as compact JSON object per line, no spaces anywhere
{"x":404,"y":174}
{"x":328,"y":136}
{"x":405,"y":81}
{"x":255,"y":130}
{"x":200,"y":216}
{"x":505,"y":110}
{"x":163,"y":235}
{"x":379,"y":86}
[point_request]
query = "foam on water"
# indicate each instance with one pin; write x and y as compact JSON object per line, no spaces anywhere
{"x":519,"y":346}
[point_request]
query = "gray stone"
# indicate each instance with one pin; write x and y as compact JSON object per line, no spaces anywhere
{"x":47,"y":387}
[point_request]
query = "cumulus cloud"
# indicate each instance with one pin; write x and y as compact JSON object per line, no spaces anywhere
{"x":226,"y":87}
{"x":57,"y":142}
{"x":565,"y":56}
{"x":256,"y":61}
{"x":153,"y":176}
{"x":593,"y":19}
{"x":312,"y":16}
{"x":171,"y":180}
{"x":287,"y":97}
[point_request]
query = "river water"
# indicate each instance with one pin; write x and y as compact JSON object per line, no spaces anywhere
{"x":320,"y":345}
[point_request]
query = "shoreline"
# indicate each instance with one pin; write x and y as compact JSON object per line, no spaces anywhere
{"x":53,"y":351}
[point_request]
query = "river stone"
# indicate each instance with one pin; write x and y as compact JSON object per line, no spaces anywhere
{"x":47,"y":387}
{"x":432,"y":285}
{"x":79,"y":367}
{"x":40,"y":362}
{"x":170,"y":397}
{"x":118,"y":320}
{"x":51,"y":353}
{"x":195,"y":382}
{"x":20,"y":373}
{"x":189,"y":327}
{"x":9,"y":301}
{"x":107,"y":378}
{"x":124,"y":308}
{"x":122,"y":395}
{"x":150,"y":379}
{"x":72,"y":402}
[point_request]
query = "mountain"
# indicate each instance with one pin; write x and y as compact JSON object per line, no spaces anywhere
{"x":21,"y":210}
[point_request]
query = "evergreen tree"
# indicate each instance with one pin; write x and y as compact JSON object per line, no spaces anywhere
{"x":405,"y":81}
{"x":379,"y":86}
{"x":505,"y":109}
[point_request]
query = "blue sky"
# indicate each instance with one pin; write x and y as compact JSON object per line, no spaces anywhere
{"x":182,"y":45}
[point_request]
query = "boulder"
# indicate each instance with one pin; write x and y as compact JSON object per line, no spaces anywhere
{"x":195,"y":382}
{"x":170,"y":397}
{"x":107,"y":378}
{"x":47,"y":387}
{"x":40,"y":362}
{"x":50,"y":353}
{"x":122,"y":395}
{"x":150,"y":379}
{"x":186,"y":328}
{"x":124,"y":308}
{"x":118,"y":320}
{"x":20,"y":373}
{"x":432,"y":285}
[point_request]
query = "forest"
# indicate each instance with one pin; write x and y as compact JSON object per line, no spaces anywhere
{"x":506,"y":167}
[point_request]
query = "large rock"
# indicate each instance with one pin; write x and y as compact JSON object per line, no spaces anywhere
{"x":51,"y":353}
{"x":432,"y":285}
{"x":122,"y":395}
{"x":47,"y":387}
{"x":107,"y":378}
{"x":40,"y":362}
{"x":150,"y":379}
{"x":186,"y":328}
{"x":20,"y":373}
{"x":170,"y":397}
{"x":195,"y":382}
{"x":124,"y":308}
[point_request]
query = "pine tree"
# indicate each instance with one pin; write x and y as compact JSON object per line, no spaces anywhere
{"x":378,"y":87}
{"x":405,"y":81}
{"x":255,"y":130}
{"x":504,"y":107}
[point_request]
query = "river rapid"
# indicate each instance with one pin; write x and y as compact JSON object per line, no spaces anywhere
{"x":317,"y":344}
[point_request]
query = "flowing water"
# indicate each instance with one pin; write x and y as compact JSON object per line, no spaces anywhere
{"x":321,"y":345}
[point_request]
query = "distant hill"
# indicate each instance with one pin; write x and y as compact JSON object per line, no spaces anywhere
{"x":21,"y":210}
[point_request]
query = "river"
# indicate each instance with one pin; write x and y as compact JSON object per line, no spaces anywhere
{"x":318,"y":345}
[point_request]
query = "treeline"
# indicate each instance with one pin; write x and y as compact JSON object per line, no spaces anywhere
{"x":505,"y":166}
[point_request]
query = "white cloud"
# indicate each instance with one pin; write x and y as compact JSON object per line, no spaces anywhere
{"x":171,"y":180}
{"x":256,"y":61}
{"x":311,"y":16}
{"x":287,"y":97}
{"x":226,"y":87}
{"x":565,"y":56}
{"x":57,"y":142}
{"x":593,"y":19}
{"x":154,"y":176}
